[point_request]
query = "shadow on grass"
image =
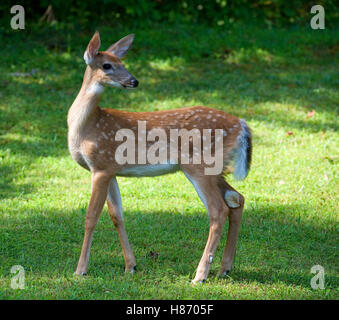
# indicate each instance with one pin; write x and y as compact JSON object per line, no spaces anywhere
{"x":8,"y":188}
{"x":269,"y":251}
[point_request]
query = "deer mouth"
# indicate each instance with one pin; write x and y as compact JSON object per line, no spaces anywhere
{"x":133,"y":83}
{"x":127,"y":86}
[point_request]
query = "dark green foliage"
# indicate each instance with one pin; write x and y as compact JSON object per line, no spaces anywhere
{"x":212,"y":12}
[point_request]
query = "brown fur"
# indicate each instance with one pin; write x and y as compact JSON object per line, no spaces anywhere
{"x":92,"y":144}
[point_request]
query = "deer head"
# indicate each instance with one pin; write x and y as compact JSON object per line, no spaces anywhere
{"x":106,"y":66}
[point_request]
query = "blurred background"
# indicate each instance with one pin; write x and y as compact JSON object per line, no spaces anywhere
{"x":211,"y":12}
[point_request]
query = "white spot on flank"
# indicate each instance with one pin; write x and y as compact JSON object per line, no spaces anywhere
{"x":104,"y":135}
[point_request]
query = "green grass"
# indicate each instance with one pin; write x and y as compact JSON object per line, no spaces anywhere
{"x":272,"y":78}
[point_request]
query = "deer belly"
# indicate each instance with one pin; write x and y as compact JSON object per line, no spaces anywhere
{"x":148,"y":170}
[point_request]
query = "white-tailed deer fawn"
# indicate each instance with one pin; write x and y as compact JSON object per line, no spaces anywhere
{"x":95,"y":136}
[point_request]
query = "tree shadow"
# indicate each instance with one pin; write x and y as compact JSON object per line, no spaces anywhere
{"x":273,"y":246}
{"x":8,"y":188}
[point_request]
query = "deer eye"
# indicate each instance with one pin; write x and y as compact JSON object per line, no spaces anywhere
{"x":107,"y":66}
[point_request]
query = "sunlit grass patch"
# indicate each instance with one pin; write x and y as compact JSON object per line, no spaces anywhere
{"x":272,"y":78}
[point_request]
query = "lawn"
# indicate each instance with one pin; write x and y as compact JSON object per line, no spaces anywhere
{"x":284,"y":82}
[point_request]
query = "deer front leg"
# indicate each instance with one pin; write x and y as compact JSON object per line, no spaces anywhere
{"x":100,"y":183}
{"x":115,"y":211}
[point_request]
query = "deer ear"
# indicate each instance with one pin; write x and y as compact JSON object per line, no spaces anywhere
{"x":92,"y":48}
{"x":121,"y":47}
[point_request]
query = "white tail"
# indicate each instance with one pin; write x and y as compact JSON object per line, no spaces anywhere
{"x":198,"y":140}
{"x":243,"y":153}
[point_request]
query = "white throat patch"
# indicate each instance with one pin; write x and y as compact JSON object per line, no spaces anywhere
{"x":95,"y":88}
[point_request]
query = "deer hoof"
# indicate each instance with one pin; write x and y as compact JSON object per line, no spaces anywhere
{"x":131,"y":270}
{"x":224,"y":274}
{"x":198,"y":282}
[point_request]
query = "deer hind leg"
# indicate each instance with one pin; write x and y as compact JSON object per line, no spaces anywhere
{"x":235,"y":202}
{"x":115,"y":211}
{"x":209,"y":192}
{"x":99,"y":193}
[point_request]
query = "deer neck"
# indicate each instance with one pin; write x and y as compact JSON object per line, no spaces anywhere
{"x":85,"y":105}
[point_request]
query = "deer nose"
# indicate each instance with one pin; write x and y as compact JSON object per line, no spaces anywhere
{"x":134,"y":82}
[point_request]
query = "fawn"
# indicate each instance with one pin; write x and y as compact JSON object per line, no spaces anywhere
{"x":92,"y":145}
